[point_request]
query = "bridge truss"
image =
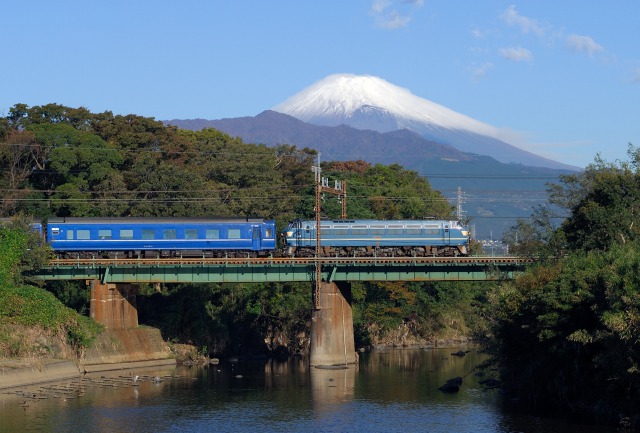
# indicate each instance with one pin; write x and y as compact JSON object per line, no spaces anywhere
{"x":285,"y":269}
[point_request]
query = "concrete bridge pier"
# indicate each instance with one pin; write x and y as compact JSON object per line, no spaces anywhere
{"x":332,"y":341}
{"x":114,"y":305}
{"x":123,"y":344}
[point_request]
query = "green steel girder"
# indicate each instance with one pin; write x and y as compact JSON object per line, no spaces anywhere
{"x":246,"y":273}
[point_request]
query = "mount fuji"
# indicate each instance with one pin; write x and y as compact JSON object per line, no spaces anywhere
{"x":366,"y":102}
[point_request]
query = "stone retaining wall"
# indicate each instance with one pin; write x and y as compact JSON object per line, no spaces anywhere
{"x":19,"y":373}
{"x":112,"y":350}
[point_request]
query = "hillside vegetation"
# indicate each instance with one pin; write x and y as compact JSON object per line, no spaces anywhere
{"x":567,"y":334}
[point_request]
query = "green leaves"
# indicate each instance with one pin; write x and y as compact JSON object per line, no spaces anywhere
{"x":386,"y":192}
{"x":605,"y":208}
{"x":575,"y":324}
{"x":12,"y":247}
{"x":21,"y":251}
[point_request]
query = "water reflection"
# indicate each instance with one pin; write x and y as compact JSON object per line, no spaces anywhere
{"x":395,"y":390}
{"x":331,"y":387}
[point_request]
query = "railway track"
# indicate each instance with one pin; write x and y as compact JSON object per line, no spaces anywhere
{"x":292,"y":261}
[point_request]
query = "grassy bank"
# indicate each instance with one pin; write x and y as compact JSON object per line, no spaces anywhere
{"x":34,"y":324}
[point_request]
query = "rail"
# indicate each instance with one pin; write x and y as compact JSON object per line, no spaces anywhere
{"x":290,"y":261}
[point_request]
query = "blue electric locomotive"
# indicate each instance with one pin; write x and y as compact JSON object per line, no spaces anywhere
{"x":383,"y":238}
{"x":161,"y":237}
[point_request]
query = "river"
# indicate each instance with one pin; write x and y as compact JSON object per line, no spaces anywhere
{"x":389,"y":391}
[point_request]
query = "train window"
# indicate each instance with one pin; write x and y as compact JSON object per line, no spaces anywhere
{"x":69,"y":235}
{"x":340,"y":230}
{"x":377,"y":230}
{"x":414,"y":229}
{"x":83,"y":234}
{"x":359,"y":230}
{"x":126,"y":234}
{"x":104,"y":234}
{"x":396,"y":229}
{"x":169,"y":234}
{"x":148,"y":234}
{"x":191,"y":234}
{"x":268,"y":233}
{"x":325,"y":230}
{"x":431,"y":231}
{"x":234,"y":234}
{"x":212,"y":234}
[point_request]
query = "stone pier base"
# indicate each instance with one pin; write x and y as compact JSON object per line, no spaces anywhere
{"x":332,"y":340}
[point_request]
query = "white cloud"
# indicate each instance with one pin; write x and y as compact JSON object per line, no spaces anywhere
{"x":393,"y":21}
{"x":379,"y":6}
{"x":516,"y":54}
{"x":387,"y":17}
{"x":527,"y":25}
{"x":480,"y":71}
{"x":478,"y":33}
{"x":581,"y":44}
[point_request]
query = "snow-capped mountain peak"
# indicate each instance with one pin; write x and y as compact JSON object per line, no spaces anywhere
{"x":340,"y":97}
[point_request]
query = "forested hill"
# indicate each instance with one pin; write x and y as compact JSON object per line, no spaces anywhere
{"x":63,"y":161}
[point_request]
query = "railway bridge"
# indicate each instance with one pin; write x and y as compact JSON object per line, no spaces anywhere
{"x":113,"y":285}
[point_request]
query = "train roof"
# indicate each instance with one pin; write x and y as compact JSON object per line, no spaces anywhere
{"x":404,"y":221}
{"x":151,"y":220}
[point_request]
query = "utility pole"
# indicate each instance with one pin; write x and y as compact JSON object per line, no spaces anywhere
{"x":459,"y":206}
{"x":318,"y":282}
{"x":340,"y":189}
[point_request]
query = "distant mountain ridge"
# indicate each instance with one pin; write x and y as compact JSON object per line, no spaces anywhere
{"x":339,"y":143}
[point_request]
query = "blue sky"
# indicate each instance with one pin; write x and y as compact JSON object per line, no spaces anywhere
{"x":564,"y":75}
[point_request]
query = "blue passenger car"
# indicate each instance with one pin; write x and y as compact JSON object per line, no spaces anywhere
{"x":161,"y":237}
{"x":379,"y":237}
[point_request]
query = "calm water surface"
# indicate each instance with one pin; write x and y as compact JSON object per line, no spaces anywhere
{"x":392,"y":391}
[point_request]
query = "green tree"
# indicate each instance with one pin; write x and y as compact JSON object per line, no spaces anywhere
{"x":567,"y":332}
{"x":604,"y":204}
{"x":21,"y":251}
{"x":12,"y":246}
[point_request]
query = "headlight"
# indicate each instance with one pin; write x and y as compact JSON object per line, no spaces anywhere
{"x":465,"y":233}
{"x":290,"y":233}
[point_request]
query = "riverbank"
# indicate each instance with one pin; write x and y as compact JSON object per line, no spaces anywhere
{"x":111,"y":350}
